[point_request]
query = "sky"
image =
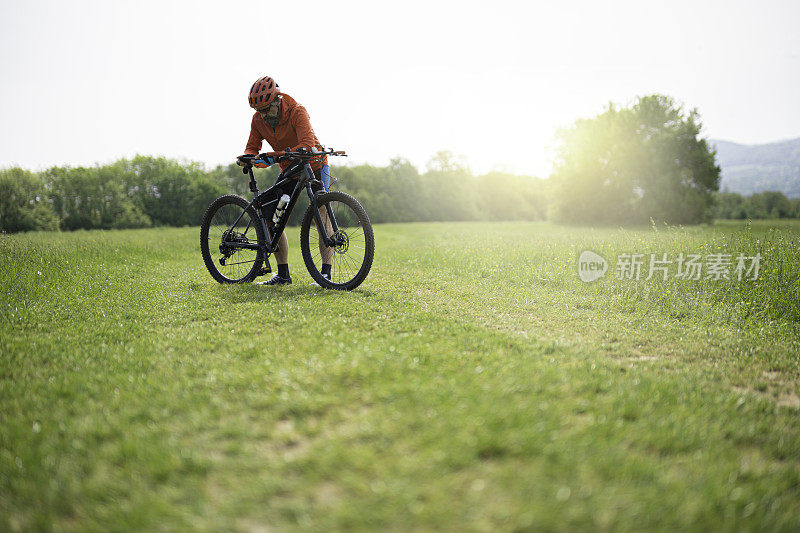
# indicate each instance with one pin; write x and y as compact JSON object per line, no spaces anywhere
{"x":88,"y":82}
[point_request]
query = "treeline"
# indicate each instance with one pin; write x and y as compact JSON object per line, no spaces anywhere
{"x":766,"y":205}
{"x":136,"y":193}
{"x":155,"y":191}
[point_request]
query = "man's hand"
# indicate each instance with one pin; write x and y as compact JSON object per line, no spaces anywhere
{"x":265,"y":158}
{"x":258,"y":161}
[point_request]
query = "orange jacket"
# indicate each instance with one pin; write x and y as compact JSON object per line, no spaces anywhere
{"x":293,"y":131}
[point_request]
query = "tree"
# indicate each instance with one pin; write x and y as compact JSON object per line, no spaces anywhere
{"x":503,"y":196}
{"x":768,"y":204}
{"x":729,"y":205}
{"x":23,"y":202}
{"x":448,"y":189}
{"x":93,"y":198}
{"x":631,"y":165}
{"x":168,"y":192}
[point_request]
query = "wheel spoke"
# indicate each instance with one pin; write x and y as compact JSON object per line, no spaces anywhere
{"x":239,"y":263}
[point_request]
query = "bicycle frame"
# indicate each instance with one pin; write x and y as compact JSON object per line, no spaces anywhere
{"x":300,"y":171}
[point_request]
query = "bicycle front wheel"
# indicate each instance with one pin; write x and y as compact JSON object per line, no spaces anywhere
{"x":227,"y":225}
{"x":347,"y":224}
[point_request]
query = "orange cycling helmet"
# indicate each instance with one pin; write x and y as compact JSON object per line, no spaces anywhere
{"x":263,"y":91}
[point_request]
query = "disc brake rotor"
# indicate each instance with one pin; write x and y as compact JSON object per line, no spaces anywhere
{"x":342,"y":242}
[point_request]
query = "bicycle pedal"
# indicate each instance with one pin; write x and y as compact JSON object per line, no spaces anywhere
{"x":266,"y":269}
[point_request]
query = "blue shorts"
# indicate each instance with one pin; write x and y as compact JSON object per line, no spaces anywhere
{"x":325,"y":177}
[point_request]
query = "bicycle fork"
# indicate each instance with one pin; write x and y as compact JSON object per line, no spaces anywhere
{"x":329,"y":241}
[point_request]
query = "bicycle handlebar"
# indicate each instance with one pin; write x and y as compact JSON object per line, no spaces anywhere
{"x":250,"y":160}
{"x":302,"y":154}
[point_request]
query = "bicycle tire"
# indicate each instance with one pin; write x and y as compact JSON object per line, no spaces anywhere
{"x":220,"y":213}
{"x":352,"y":219}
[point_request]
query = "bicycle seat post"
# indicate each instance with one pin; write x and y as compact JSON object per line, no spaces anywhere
{"x":253,"y":184}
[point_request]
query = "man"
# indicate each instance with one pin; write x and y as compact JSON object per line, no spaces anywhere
{"x":285,"y":125}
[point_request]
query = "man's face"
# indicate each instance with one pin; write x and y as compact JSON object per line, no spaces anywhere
{"x":272,"y":111}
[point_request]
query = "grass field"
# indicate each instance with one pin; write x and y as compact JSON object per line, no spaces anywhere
{"x":473,"y":382}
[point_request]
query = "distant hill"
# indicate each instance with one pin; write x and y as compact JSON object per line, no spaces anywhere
{"x":759,"y":167}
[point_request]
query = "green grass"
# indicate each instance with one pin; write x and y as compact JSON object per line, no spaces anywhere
{"x":472,"y":382}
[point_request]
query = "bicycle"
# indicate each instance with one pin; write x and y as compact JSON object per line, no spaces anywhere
{"x":241,"y":232}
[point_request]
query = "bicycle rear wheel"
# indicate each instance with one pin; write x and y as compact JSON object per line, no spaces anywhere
{"x":351,"y":257}
{"x":219,"y":237}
